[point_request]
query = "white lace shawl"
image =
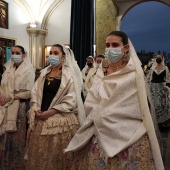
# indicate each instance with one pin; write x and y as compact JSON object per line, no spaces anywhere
{"x":24,"y":75}
{"x":77,"y":80}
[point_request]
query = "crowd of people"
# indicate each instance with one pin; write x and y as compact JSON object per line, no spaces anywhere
{"x":118,"y":123}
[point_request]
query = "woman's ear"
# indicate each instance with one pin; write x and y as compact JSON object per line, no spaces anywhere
{"x":126,"y":48}
{"x":63,"y":57}
{"x":23,"y":55}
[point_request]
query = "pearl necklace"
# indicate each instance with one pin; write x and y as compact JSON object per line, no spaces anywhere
{"x":115,"y":68}
{"x":51,"y":77}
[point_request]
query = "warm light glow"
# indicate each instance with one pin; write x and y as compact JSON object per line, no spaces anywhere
{"x":33,"y":25}
{"x":48,"y":48}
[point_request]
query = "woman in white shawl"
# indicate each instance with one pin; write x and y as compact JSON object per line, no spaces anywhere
{"x":56,"y":111}
{"x":15,"y":92}
{"x":89,"y":65}
{"x":118,"y":132}
{"x":92,"y":72}
{"x":157,"y":78}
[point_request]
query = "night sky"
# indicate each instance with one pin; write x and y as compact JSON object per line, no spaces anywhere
{"x":148,"y":27}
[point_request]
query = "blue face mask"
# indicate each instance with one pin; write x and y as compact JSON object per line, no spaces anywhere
{"x":114,"y":54}
{"x":54,"y":60}
{"x":97,"y":64}
{"x":17,"y":59}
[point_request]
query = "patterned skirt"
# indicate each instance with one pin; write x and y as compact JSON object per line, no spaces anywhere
{"x":45,"y":152}
{"x":136,"y":157}
{"x":161,"y":101}
{"x":13,"y":144}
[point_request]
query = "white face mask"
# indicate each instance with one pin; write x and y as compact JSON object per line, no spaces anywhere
{"x":17,"y":59}
{"x":114,"y":54}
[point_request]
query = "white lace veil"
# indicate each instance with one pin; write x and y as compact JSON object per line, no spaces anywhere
{"x":155,"y":63}
{"x":23,"y":68}
{"x":26,"y":60}
{"x":140,"y":82}
{"x":149,"y":76}
{"x":78,"y":81}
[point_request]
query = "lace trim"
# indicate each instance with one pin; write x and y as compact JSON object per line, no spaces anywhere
{"x":59,"y":124}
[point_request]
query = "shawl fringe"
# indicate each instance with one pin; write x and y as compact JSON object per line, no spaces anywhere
{"x":103,"y":154}
{"x":11,"y":126}
{"x":59,"y":124}
{"x":31,"y":115}
{"x":2,"y":129}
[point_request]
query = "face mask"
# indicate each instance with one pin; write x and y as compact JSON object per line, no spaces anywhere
{"x":97,"y":65}
{"x":114,"y":54}
{"x":158,"y":60}
{"x":16,"y":59}
{"x":53,"y":60}
{"x":90,"y":64}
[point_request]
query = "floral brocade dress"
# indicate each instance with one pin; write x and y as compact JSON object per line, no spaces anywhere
{"x":45,"y":152}
{"x":136,"y":157}
{"x":160,"y":96}
{"x":161,"y":101}
{"x":13,"y":144}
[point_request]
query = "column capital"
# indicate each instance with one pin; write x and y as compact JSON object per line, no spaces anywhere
{"x":31,"y":31}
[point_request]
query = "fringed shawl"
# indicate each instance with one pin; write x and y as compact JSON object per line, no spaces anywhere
{"x":14,"y":83}
{"x":118,"y":113}
{"x":64,"y":101}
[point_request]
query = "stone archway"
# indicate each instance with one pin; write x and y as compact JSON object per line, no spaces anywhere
{"x":124,"y":6}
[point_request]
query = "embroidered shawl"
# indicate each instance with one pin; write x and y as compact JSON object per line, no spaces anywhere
{"x":118,"y":113}
{"x":14,"y":83}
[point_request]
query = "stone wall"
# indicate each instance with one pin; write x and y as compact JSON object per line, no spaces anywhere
{"x":106,"y":14}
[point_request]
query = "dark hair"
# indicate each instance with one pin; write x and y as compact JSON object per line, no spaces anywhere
{"x":101,"y":56}
{"x":120,"y":34}
{"x":60,"y":47}
{"x":22,"y":49}
{"x":160,"y":55}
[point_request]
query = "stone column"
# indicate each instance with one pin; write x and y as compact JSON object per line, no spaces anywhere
{"x":106,"y":17}
{"x":37,"y":47}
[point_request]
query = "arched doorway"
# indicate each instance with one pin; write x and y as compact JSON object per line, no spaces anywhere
{"x":147,"y":26}
{"x":124,"y":6}
{"x":164,"y":33}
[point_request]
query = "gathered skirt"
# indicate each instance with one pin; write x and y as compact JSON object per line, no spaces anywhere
{"x":136,"y":157}
{"x":45,"y":152}
{"x":161,"y":102}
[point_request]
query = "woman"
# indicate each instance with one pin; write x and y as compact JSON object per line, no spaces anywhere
{"x":157,"y":78}
{"x":118,"y":132}
{"x":15,"y":92}
{"x":89,"y":65}
{"x":56,"y":111}
{"x":92,"y":72}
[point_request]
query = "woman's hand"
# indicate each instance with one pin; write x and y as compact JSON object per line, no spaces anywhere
{"x":38,"y":113}
{"x":16,"y":98}
{"x":46,"y":114}
{"x":166,"y":88}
